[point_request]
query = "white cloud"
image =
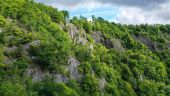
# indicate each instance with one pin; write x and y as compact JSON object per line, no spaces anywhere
{"x":134,"y":15}
{"x":129,"y":11}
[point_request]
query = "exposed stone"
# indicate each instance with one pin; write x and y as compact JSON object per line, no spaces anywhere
{"x":11,"y":49}
{"x":37,"y":74}
{"x":151,"y":45}
{"x":72,"y":31}
{"x":60,"y":78}
{"x":35,"y":42}
{"x":100,"y":38}
{"x":141,"y":77}
{"x":97,"y":36}
{"x":117,"y":45}
{"x":32,"y":43}
{"x":78,"y":36}
{"x":73,"y":68}
{"x":1,"y":30}
{"x":91,"y":46}
{"x":168,"y":46}
{"x":8,"y":60}
{"x":108,"y":43}
{"x":102,"y":83}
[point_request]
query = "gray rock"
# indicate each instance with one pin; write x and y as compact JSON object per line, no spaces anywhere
{"x":97,"y":36}
{"x":11,"y":49}
{"x":78,"y":36}
{"x":59,"y":78}
{"x":148,"y":42}
{"x":91,"y":46}
{"x":73,"y":68}
{"x":8,"y":60}
{"x":32,"y":43}
{"x":37,"y":74}
{"x":117,"y":45}
{"x":102,"y":83}
{"x":1,"y":30}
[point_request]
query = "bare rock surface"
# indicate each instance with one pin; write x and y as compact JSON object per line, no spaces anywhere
{"x":102,"y":83}
{"x":73,"y":68}
{"x":78,"y":36}
{"x":148,"y":42}
{"x":37,"y":74}
{"x":1,"y":30}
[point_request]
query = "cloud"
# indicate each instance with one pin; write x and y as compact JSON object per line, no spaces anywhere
{"x":149,"y":4}
{"x":122,"y":11}
{"x":142,"y":4}
{"x":135,"y":15}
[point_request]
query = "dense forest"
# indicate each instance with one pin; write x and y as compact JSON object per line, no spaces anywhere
{"x":43,"y":52}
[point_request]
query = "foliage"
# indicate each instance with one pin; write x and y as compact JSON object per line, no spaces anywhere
{"x":35,"y":38}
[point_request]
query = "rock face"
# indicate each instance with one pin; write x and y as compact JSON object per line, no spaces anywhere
{"x":78,"y":36}
{"x":37,"y":75}
{"x":151,"y":45}
{"x":73,"y":68}
{"x":108,"y":43}
{"x":11,"y":49}
{"x":91,"y":46}
{"x":32,"y":43}
{"x":1,"y":30}
{"x":98,"y":37}
{"x":59,"y":78}
{"x":8,"y":60}
{"x":117,"y":45}
{"x":102,"y":83}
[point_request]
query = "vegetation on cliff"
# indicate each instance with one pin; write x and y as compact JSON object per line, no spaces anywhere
{"x":44,"y":53}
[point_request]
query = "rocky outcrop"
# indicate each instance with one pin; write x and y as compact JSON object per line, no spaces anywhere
{"x":117,"y":45}
{"x":10,"y":50}
{"x":78,"y":36}
{"x":59,"y":78}
{"x":108,"y":43}
{"x":73,"y":68}
{"x":97,"y":36}
{"x":151,"y":45}
{"x":91,"y":46}
{"x":37,"y":74}
{"x":9,"y":60}
{"x":102,"y":83}
{"x":100,"y":38}
{"x":1,"y":30}
{"x":32,"y":43}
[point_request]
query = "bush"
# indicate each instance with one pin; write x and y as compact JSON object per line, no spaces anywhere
{"x":89,"y":84}
{"x":148,"y":88}
{"x":9,"y":88}
{"x":112,"y":90}
{"x":48,"y":87}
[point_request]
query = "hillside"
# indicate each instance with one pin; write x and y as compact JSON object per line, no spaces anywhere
{"x":44,"y":53}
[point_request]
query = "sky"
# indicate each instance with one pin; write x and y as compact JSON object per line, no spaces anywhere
{"x":119,"y":11}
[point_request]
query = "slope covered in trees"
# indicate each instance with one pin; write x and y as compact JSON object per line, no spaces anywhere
{"x":43,"y":53}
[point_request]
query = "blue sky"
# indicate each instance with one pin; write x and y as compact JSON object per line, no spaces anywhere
{"x":121,"y":11}
{"x":107,"y":12}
